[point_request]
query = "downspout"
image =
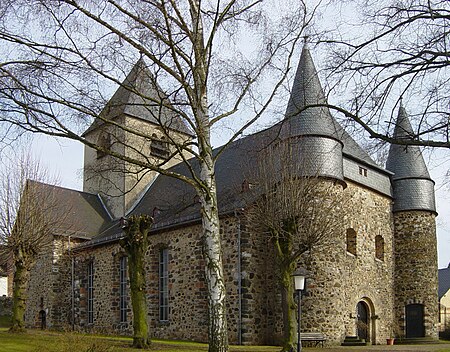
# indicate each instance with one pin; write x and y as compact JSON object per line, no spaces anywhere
{"x":239,"y":272}
{"x":72,"y":286}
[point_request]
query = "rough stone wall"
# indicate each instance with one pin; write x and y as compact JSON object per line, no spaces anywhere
{"x":105,"y":175}
{"x":5,"y":306}
{"x":187,"y":290}
{"x":48,"y":287}
{"x":339,"y":279}
{"x":138,"y":178}
{"x":416,"y":279}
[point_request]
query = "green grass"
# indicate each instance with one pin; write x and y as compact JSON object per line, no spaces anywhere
{"x":43,"y":341}
{"x":50,"y":341}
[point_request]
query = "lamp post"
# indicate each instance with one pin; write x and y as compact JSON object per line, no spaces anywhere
{"x":299,"y":285}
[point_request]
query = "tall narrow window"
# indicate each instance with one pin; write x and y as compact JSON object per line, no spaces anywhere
{"x":104,"y":141}
{"x":90,"y":293}
{"x":164,"y":285}
{"x":123,"y":289}
{"x":351,"y":241}
{"x":379,"y":247}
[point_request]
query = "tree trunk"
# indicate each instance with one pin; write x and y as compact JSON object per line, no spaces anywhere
{"x":212,"y":250}
{"x":289,"y":309}
{"x":135,"y":244}
{"x":20,"y":280}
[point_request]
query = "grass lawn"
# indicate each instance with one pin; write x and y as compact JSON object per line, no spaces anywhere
{"x":43,"y":341}
{"x":49,"y":341}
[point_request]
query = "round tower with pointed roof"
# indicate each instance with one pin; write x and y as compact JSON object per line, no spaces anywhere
{"x":310,"y":129}
{"x":415,"y":274}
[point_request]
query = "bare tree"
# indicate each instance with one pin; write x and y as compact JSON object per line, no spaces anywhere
{"x":402,"y":53}
{"x":29,"y":216}
{"x":60,"y":55}
{"x":299,"y":213}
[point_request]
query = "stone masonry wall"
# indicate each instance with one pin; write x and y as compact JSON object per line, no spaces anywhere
{"x":339,"y":279}
{"x":187,"y":290}
{"x":416,"y":267}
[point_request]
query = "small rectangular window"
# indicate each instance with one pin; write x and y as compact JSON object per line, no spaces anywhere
{"x":164,"y":285}
{"x":363,"y":171}
{"x":90,"y":293}
{"x":123,"y":289}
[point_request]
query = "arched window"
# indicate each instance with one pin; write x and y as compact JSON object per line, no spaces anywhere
{"x":379,"y":247}
{"x":159,"y":147}
{"x":351,"y":241}
{"x":104,"y":141}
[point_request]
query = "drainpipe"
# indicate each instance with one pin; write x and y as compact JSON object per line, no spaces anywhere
{"x":239,"y":271}
{"x":72,"y":286}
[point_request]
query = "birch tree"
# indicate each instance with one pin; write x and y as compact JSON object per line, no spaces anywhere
{"x":299,"y":214}
{"x":28,"y":217}
{"x":60,"y":56}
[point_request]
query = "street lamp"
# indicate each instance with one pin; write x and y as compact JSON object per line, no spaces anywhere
{"x":299,"y":286}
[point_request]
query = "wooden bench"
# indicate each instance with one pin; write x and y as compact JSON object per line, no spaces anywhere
{"x":312,"y":338}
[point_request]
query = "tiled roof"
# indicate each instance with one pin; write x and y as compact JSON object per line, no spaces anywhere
{"x":413,"y":187}
{"x":79,"y":214}
{"x":444,"y":281}
{"x":173,"y":202}
{"x":306,"y":91}
{"x":139,"y":96}
{"x":405,"y":161}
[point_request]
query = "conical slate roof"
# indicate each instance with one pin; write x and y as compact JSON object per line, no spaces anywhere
{"x":405,"y":161}
{"x":413,"y":187}
{"x":139,"y":96}
{"x":307,"y":91}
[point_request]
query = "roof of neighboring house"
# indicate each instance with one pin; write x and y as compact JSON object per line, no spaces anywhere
{"x":140,"y":96}
{"x":75,"y":213}
{"x":444,"y":281}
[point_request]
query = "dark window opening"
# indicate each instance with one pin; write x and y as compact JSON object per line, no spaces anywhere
{"x":351,"y":241}
{"x":379,"y":247}
{"x":104,"y":141}
{"x":90,"y":293}
{"x":123,"y":289}
{"x":363,"y":171}
{"x":164,"y":285}
{"x":159,"y":147}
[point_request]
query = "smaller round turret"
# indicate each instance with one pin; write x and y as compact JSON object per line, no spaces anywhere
{"x":413,"y":187}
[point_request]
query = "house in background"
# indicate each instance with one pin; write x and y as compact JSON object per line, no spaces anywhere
{"x":363,"y":285}
{"x":3,"y":281}
{"x":444,"y":299}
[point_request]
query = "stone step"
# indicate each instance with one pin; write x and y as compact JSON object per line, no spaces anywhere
{"x":415,"y":341}
{"x":353,"y":341}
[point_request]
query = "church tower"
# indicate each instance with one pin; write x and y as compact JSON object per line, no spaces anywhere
{"x":415,"y":252}
{"x":138,"y":123}
{"x":312,"y":132}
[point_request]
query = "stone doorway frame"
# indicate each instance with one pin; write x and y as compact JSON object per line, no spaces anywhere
{"x":371,"y":319}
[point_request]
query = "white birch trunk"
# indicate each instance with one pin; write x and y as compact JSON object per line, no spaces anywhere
{"x":212,"y":251}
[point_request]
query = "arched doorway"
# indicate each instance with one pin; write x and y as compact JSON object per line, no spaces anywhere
{"x":43,"y":319}
{"x":362,"y":321}
{"x":415,"y":320}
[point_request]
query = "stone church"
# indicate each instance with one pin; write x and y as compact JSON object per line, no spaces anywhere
{"x":379,"y":279}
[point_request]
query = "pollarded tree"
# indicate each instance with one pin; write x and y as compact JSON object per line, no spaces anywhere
{"x":59,"y":58}
{"x":298,"y":212}
{"x":402,"y":53}
{"x":29,"y":215}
